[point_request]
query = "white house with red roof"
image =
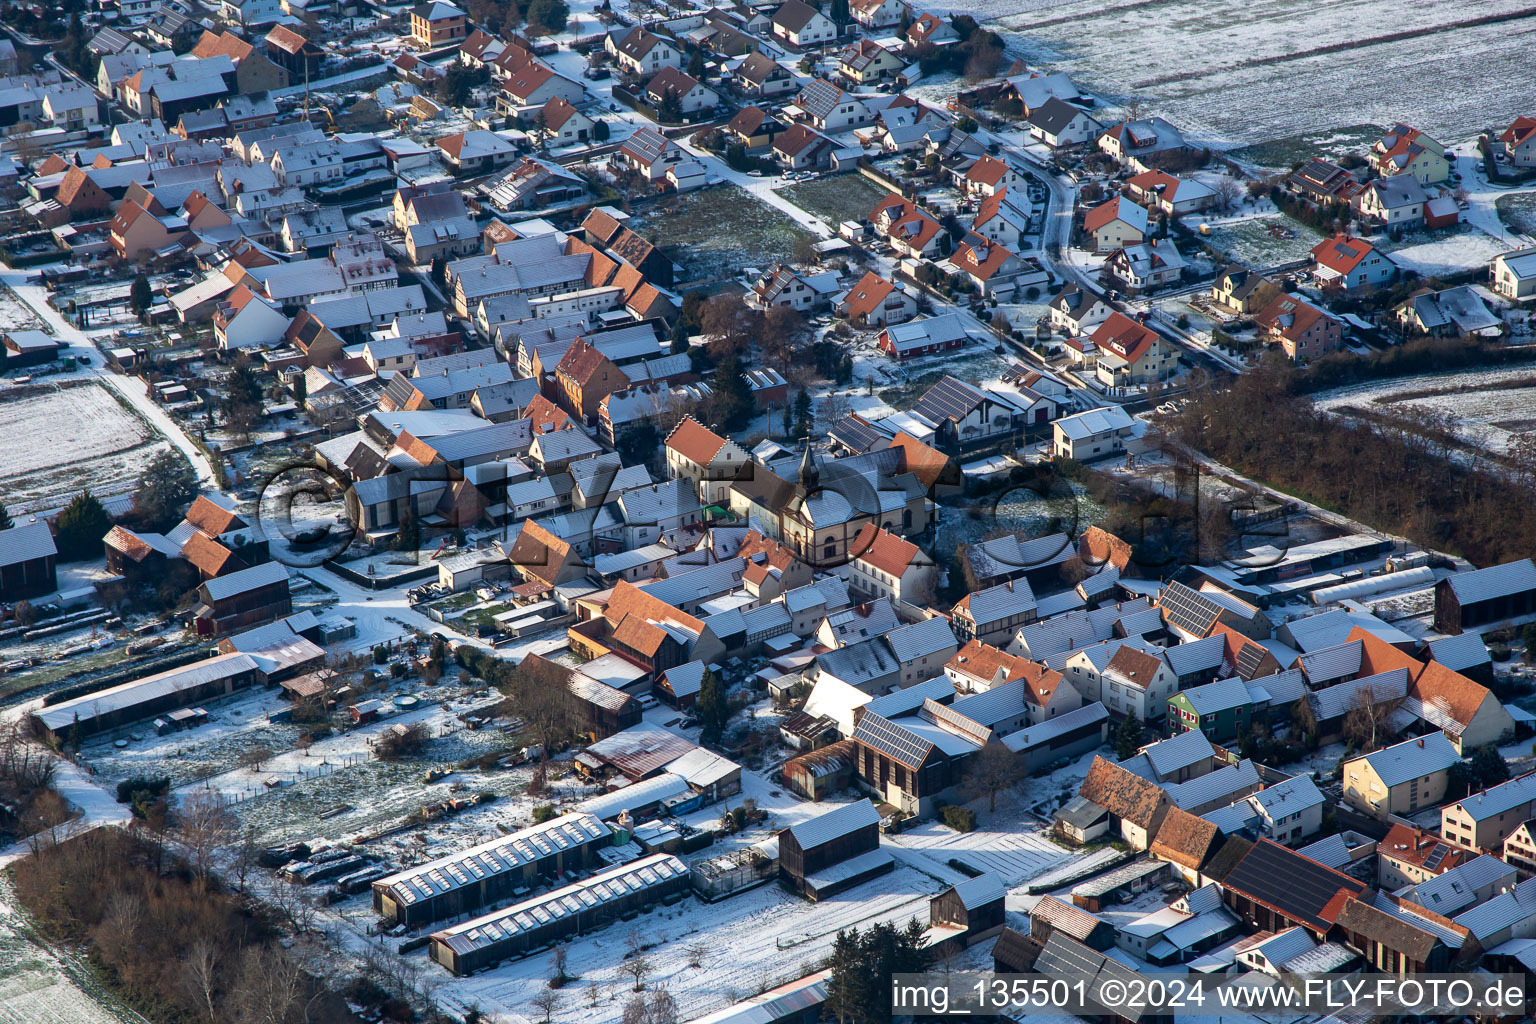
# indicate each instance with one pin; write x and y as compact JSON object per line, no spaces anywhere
{"x":696,"y":453}
{"x":246,"y":320}
{"x":1344,"y":261}
{"x":910,"y":230}
{"x":885,"y":565}
{"x":999,"y":219}
{"x":1131,"y":353}
{"x":1173,"y":195}
{"x":992,"y":269}
{"x":987,"y":177}
{"x":1406,"y":150}
{"x":640,"y":52}
{"x":877,"y":302}
{"x":799,"y":24}
{"x":877,"y":13}
{"x":1519,"y":142}
{"x":1115,"y":223}
{"x":932,"y":29}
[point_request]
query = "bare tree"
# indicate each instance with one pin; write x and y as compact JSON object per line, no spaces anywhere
{"x":994,"y":769}
{"x":204,"y":826}
{"x":697,"y":952}
{"x":1228,"y":193}
{"x":557,"y":962}
{"x":635,"y":1011}
{"x":547,"y":1001}
{"x":1366,"y":720}
{"x":200,"y":975}
{"x":636,"y":965}
{"x":271,"y":985}
{"x":256,"y":757}
{"x":663,"y":1008}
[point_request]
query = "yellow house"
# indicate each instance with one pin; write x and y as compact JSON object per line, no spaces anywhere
{"x":1406,"y":150}
{"x":1400,"y":779}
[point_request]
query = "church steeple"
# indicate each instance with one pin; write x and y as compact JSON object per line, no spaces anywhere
{"x":810,"y":472}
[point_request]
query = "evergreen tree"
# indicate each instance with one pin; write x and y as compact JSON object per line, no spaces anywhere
{"x":600,"y":131}
{"x":408,"y":537}
{"x":862,"y":965}
{"x":680,"y":336}
{"x":712,"y":708}
{"x":737,"y":403}
{"x":140,"y":297}
{"x":5,"y":518}
{"x":550,"y":15}
{"x":848,"y":992}
{"x":165,"y":490}
{"x":80,"y":528}
{"x":838,"y":12}
{"x":803,"y":420}
{"x":696,"y":63}
{"x":1128,"y":737}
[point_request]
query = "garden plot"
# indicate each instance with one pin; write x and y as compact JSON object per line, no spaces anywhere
{"x":16,"y":315}
{"x":1210,"y":69}
{"x":1283,"y":154}
{"x":713,"y":233}
{"x":1518,"y":212}
{"x":1447,"y":251}
{"x":836,"y":199}
{"x":66,"y":438}
{"x":1263,"y":241}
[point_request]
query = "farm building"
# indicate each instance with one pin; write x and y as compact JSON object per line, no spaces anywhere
{"x":1494,"y":594}
{"x":820,"y":772}
{"x":153,"y":695}
{"x":636,"y":753}
{"x":27,"y":559}
{"x":799,"y":1002}
{"x":833,"y":851}
{"x":241,"y":600}
{"x":464,"y":882}
{"x":968,"y":912}
{"x":572,"y":910}
{"x":30,"y":348}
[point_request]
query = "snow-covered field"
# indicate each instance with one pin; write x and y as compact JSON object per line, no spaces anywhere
{"x":35,"y":985}
{"x":1489,"y":412}
{"x":1249,"y":73}
{"x":1449,"y":254}
{"x":62,"y":439}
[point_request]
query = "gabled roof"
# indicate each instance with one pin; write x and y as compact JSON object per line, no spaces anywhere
{"x":1293,"y":885}
{"x":1412,"y":759}
{"x":1186,"y":839}
{"x":1122,"y":793}
{"x":1119,"y":208}
{"x":794,"y":15}
{"x":695,"y":442}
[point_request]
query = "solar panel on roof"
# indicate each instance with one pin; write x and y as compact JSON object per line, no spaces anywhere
{"x":1250,"y":659}
{"x":892,"y":740}
{"x":949,"y":399}
{"x":1188,"y":609}
{"x":1434,"y":859}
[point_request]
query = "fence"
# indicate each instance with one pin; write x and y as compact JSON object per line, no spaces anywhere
{"x":285,"y":778}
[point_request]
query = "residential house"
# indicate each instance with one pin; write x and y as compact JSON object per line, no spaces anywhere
{"x":1344,"y":261}
{"x":910,"y":230}
{"x":925,"y":337}
{"x":563,"y":124}
{"x":244,"y":319}
{"x":928,"y":28}
{"x":801,"y":25}
{"x":254,"y":72}
{"x":866,"y":62}
{"x":1395,"y":202}
{"x":762,"y":77}
{"x":802,"y":148}
{"x":1174,"y":196}
{"x":1241,"y":291}
{"x":1408,"y":856}
{"x":994,"y":614}
{"x":1408,"y":151}
{"x":1299,"y":328}
{"x":1449,"y":313}
{"x":1118,"y":222}
{"x":990,"y":269}
{"x":1143,"y":144}
{"x":1513,"y":274}
{"x":533,"y":85}
{"x":1483,"y":820}
{"x":878,"y":13}
{"x":1141,"y":268}
{"x":710,"y":461}
{"x":1060,"y":124}
{"x":475,"y":152}
{"x":1095,"y":434}
{"x":1223,"y":710}
{"x":436,"y":24}
{"x":885,"y":565}
{"x":1003,"y":218}
{"x":674,"y":86}
{"x":877,"y":302}
{"x":1519,"y":142}
{"x":1075,"y":311}
{"x":648,"y":153}
{"x":754,"y":128}
{"x":640,"y":52}
{"x":1130,"y":353}
{"x":828,"y":108}
{"x":1402,"y":779}
{"x":987,"y":177}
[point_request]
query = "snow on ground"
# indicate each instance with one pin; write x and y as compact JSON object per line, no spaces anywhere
{"x":1464,"y":250}
{"x":1219,"y":87}
{"x":68,"y":437}
{"x":37,"y":984}
{"x":1488,"y":412}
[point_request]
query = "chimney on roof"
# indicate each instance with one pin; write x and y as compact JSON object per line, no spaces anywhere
{"x":1421,"y":743}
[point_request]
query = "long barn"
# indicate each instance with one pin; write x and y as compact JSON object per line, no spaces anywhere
{"x":464,"y":882}
{"x":534,"y":923}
